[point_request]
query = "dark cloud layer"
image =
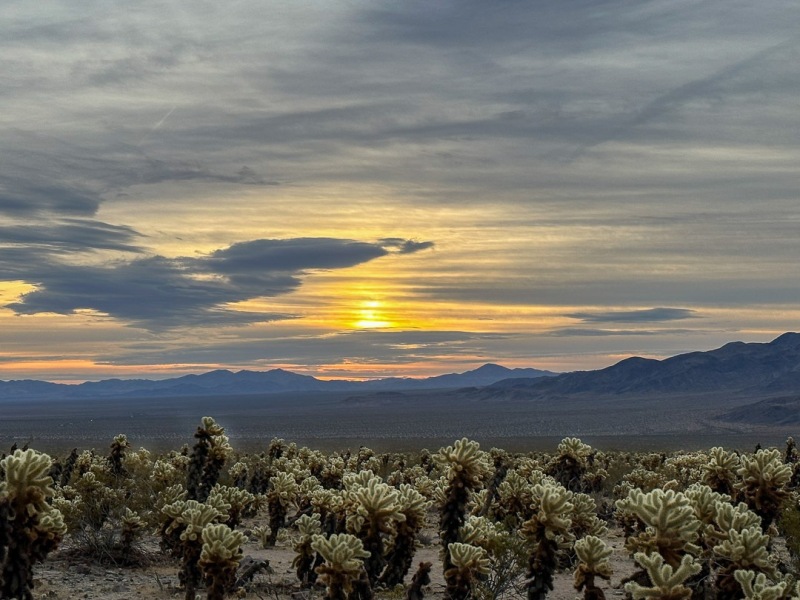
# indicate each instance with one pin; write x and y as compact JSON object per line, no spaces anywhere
{"x":72,"y":235}
{"x":158,"y":292}
{"x":648,"y":315}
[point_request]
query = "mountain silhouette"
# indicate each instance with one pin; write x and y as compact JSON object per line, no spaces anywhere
{"x":754,"y":369}
{"x":224,"y":382}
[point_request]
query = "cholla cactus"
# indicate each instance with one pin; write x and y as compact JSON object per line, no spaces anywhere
{"x":208,"y":455}
{"x":414,"y":507}
{"x":506,"y":555}
{"x":686,"y":468}
{"x":549,"y":525}
{"x":66,"y":471}
{"x":219,"y":559}
{"x":593,"y":554}
{"x":667,"y":581}
{"x":671,"y":528}
{"x":375,"y":511}
{"x":584,"y":517}
{"x":514,"y":498}
{"x":763,"y":486}
{"x":194,"y":517}
{"x":482,"y":532}
{"x":343,"y":565}
{"x":132,"y":526}
{"x":304,"y":562}
{"x":572,"y":465}
{"x":332,"y":472}
{"x":758,"y":587}
{"x":115,"y":458}
{"x":719,"y":473}
{"x":240,"y":503}
{"x":305,"y":491}
{"x":182,"y":535}
{"x":280,"y":497}
{"x":464,"y":467}
{"x":29,"y":527}
{"x":330,"y":506}
{"x":645,"y":480}
{"x":746,"y":550}
{"x":470,"y":564}
{"x":262,"y":533}
{"x":463,"y":461}
{"x":501,"y":463}
{"x":705,"y":501}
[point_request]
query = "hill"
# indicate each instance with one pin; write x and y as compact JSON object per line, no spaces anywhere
{"x":224,"y":382}
{"x":742,"y":369}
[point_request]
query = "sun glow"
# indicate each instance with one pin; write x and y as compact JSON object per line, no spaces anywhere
{"x":371,"y":316}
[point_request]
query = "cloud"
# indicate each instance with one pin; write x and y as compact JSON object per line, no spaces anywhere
{"x":160,"y":293}
{"x":394,"y":347}
{"x":648,"y":315}
{"x":72,"y":235}
{"x":585,"y":332}
{"x":299,"y":254}
{"x":402,"y":246}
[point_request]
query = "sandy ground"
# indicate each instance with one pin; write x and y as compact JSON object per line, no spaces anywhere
{"x":67,"y":576}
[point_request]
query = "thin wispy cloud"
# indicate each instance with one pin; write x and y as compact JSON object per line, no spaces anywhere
{"x":647,"y":315}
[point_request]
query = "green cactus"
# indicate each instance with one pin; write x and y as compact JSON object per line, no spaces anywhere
{"x":469,"y":565}
{"x":573,"y":465}
{"x":132,"y":527}
{"x":281,"y":495}
{"x":374,"y":514}
{"x":219,"y":559}
{"x":584,"y":517}
{"x":763,"y":485}
{"x":464,"y":466}
{"x":671,"y":527}
{"x":194,"y":518}
{"x":758,"y":587}
{"x":240,"y":503}
{"x":115,"y":458}
{"x":719,"y":473}
{"x":343,"y":566}
{"x":30,"y":528}
{"x":181,"y":531}
{"x":414,"y":507}
{"x":667,"y":581}
{"x":593,"y":554}
{"x":549,"y":525}
{"x":514,"y":498}
{"x":306,"y":560}
{"x":745,"y":550}
{"x":208,"y":456}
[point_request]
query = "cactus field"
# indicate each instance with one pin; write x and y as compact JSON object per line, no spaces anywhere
{"x":289,"y":522}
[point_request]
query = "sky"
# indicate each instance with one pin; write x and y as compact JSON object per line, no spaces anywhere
{"x":368,"y":188}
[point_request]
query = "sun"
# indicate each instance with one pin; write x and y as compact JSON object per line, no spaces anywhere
{"x":371,"y":316}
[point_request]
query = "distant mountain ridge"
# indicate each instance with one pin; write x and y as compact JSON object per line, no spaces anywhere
{"x":760,"y":380}
{"x":225,"y":382}
{"x":756,"y":369}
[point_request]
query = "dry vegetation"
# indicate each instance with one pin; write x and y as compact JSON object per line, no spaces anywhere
{"x":457,"y":523}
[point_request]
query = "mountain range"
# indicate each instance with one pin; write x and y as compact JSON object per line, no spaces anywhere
{"x":228,"y":383}
{"x":738,"y":383}
{"x":717,"y":397}
{"x":756,"y":370}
